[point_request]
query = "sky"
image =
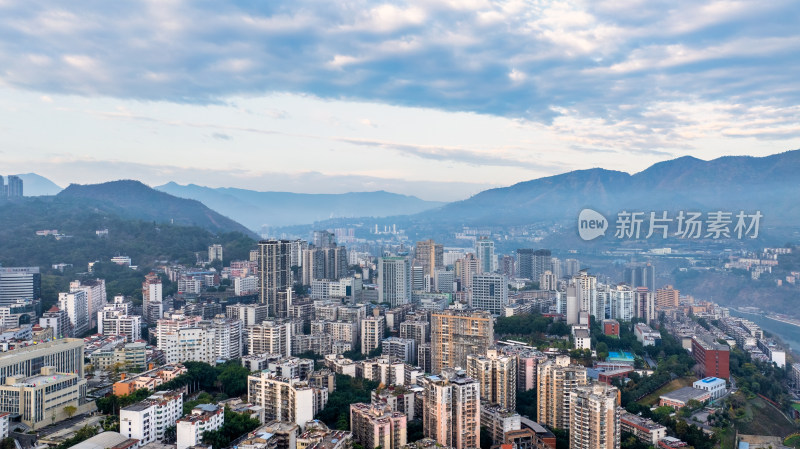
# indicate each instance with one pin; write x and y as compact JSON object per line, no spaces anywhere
{"x":434,"y":98}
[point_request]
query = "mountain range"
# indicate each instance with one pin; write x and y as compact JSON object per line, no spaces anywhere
{"x":768,"y":184}
{"x":733,"y":183}
{"x":258,"y":210}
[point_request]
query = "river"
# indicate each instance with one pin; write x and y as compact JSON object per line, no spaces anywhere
{"x":789,"y":333}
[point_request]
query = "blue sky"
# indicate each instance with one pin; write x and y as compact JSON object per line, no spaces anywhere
{"x":435,"y":98}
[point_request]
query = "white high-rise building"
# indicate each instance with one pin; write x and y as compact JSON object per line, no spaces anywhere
{"x":114,"y":320}
{"x":171,"y":325}
{"x":248,"y":314}
{"x":191,"y":344}
{"x":489,"y":292}
{"x":484,"y":251}
{"x":289,"y":400}
{"x":394,"y":281}
{"x":77,"y":306}
{"x":95,"y":296}
{"x":622,"y":303}
{"x":228,"y":338}
{"x":245,"y":286}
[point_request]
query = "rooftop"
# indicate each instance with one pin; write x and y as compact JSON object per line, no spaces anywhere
{"x":684,"y":394}
{"x":640,"y":421}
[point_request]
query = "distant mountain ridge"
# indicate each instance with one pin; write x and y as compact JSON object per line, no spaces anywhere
{"x":37,"y":185}
{"x":730,"y":183}
{"x":258,"y":209}
{"x":135,"y":200}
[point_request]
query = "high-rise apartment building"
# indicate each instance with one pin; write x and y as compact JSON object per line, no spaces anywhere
{"x":378,"y":426}
{"x":326,"y":263}
{"x":114,"y":319}
{"x":645,"y":304}
{"x":152,"y":298}
{"x":215,"y":252}
{"x":274,"y":272}
{"x":667,"y":297}
{"x":489,"y":292}
{"x":466,"y":267}
{"x":417,"y":330}
{"x":404,"y":349}
{"x":58,"y":320}
{"x":195,"y":344}
{"x":484,"y":251}
{"x":394,"y":281}
{"x":508,"y":266}
{"x":95,"y":296}
{"x":271,"y":337}
{"x":571,"y":267}
{"x":324,"y":239}
{"x":533,"y":263}
{"x":14,"y":187}
{"x":430,"y":255}
{"x":444,"y":281}
{"x":556,"y":380}
{"x":76,"y":304}
{"x":640,"y":275}
{"x":594,"y":417}
{"x":248,"y":314}
{"x":285,"y":399}
{"x":451,"y":410}
{"x":372,"y":332}
{"x":497,"y":375}
{"x":455,"y":334}
{"x":548,"y":281}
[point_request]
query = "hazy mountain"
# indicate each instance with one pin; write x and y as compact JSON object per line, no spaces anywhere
{"x":135,"y":200}
{"x":770,"y":184}
{"x":258,"y":209}
{"x":36,"y":185}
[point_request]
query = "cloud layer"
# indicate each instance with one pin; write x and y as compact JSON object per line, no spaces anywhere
{"x":609,"y":60}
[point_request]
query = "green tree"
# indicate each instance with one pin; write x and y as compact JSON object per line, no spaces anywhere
{"x":70,"y":410}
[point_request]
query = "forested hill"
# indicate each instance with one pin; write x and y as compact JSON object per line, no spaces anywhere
{"x":132,"y":199}
{"x":145,"y":242}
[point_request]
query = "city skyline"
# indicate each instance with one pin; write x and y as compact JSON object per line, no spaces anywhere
{"x":325,"y":98}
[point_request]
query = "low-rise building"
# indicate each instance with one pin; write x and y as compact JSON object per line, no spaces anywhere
{"x":41,"y":399}
{"x":317,"y":436}
{"x":645,"y":430}
{"x":149,"y":379}
{"x":147,"y":420}
{"x":714,"y":385}
{"x":646,"y":335}
{"x":679,"y":398}
{"x":203,"y":418}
